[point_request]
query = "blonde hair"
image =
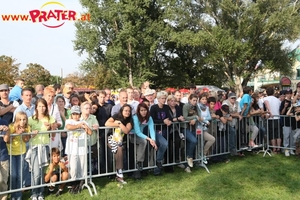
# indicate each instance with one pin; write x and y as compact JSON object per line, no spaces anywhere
{"x":171,"y":97}
{"x":16,"y":123}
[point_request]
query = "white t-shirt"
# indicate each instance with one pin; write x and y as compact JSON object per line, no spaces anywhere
{"x":75,"y":144}
{"x":274,"y":105}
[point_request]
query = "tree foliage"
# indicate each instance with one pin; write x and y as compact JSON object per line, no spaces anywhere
{"x":35,"y":74}
{"x":174,"y":43}
{"x":9,"y":70}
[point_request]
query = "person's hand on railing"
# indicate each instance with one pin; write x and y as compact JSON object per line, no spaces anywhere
{"x":167,"y":122}
{"x":192,"y":122}
{"x":181,"y":118}
{"x":153,"y":144}
{"x":35,"y":132}
{"x":95,"y":126}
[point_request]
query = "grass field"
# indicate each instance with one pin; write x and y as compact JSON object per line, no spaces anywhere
{"x":250,"y":177}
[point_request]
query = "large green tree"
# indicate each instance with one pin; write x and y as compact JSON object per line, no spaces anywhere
{"x":9,"y":70}
{"x":234,"y":35}
{"x":174,"y":43}
{"x":35,"y":74}
{"x":123,"y":37}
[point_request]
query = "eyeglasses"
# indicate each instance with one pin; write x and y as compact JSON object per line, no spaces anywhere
{"x":3,"y":90}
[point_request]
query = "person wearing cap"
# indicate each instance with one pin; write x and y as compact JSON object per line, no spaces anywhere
{"x":7,"y":107}
{"x":149,"y":95}
{"x":287,"y":129}
{"x":75,"y":148}
{"x":15,"y":93}
{"x":272,"y":105}
{"x":234,"y":111}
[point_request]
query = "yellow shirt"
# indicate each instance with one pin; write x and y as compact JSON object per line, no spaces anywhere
{"x":40,"y":126}
{"x":17,"y":146}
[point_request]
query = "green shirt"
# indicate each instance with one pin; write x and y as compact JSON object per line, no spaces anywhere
{"x":40,"y":126}
{"x":92,"y":120}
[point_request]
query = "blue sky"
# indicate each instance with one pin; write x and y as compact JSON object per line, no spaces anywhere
{"x":34,"y":43}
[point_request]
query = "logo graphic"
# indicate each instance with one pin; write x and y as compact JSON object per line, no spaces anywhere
{"x":52,"y":14}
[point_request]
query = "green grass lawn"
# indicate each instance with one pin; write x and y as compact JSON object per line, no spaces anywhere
{"x":250,"y":177}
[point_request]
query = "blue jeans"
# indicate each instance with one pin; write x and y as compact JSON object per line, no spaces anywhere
{"x":37,"y":174}
{"x":191,"y":142}
{"x":17,"y":174}
{"x":232,"y":138}
{"x":162,"y":145}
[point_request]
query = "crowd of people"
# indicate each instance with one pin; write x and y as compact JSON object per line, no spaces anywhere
{"x":143,"y":116}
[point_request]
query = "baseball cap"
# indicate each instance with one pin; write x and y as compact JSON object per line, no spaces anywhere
{"x":288,"y":91}
{"x":75,"y":109}
{"x":231,"y":95}
{"x":149,"y":91}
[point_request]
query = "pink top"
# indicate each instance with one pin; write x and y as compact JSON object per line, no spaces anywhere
{"x":218,"y":105}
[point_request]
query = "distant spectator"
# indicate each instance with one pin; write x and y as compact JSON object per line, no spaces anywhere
{"x":67,"y":92}
{"x":57,"y":88}
{"x":7,"y":107}
{"x":15,"y":93}
{"x":108,"y":97}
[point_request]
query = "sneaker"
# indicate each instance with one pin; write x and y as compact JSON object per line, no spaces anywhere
{"x":120,"y":180}
{"x":159,"y":164}
{"x":181,"y":166}
{"x":287,"y":153}
{"x":292,"y":152}
{"x":204,"y":160}
{"x":34,"y":198}
{"x":41,"y":198}
{"x":190,"y":162}
{"x":119,"y":173}
{"x":187,"y":170}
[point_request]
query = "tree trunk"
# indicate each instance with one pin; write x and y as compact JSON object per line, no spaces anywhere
{"x":238,"y":86}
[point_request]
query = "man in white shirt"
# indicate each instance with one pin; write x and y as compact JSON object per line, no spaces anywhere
{"x":273,"y":105}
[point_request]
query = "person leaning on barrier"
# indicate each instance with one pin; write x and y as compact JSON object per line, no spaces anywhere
{"x":142,"y":120}
{"x":205,"y":119}
{"x":75,"y":147}
{"x":161,"y":117}
{"x":16,"y":149}
{"x":234,"y":111}
{"x":38,"y":153}
{"x":191,"y":113}
{"x":295,"y":121}
{"x":4,"y":158}
{"x":287,"y":129}
{"x":122,"y":123}
{"x":272,"y":105}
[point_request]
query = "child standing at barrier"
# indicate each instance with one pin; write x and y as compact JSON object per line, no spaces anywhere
{"x":122,"y":121}
{"x":75,"y":147}
{"x":205,"y":122}
{"x":56,"y":171}
{"x":38,"y":153}
{"x":17,"y":149}
{"x":4,"y":158}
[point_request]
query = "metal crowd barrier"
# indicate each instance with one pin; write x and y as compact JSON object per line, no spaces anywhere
{"x":100,"y":160}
